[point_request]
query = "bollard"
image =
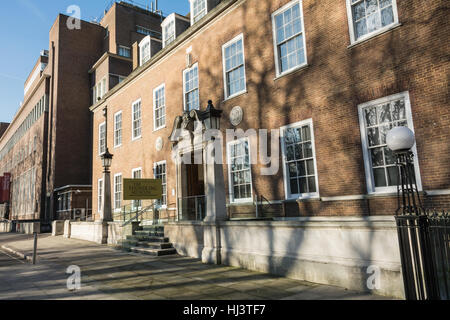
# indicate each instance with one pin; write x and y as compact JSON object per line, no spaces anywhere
{"x":35,"y":248}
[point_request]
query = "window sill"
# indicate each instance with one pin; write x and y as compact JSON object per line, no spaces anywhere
{"x":118,"y":146}
{"x":303,"y":199}
{"x":137,"y":138}
{"x":373,"y":35}
{"x":246,"y":202}
{"x":159,"y":129}
{"x":236,"y":95}
{"x":294,"y":70}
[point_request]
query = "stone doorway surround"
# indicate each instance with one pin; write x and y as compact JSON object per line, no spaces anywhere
{"x":191,"y":140}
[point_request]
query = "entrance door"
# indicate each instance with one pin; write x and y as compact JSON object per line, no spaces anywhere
{"x":193,"y":199}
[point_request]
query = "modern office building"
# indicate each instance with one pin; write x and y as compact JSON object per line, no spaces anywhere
{"x":47,"y":146}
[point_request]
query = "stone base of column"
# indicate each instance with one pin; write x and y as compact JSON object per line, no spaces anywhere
{"x":101,"y":232}
{"x":212,"y":248}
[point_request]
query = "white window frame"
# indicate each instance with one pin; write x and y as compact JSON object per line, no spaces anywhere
{"x":230,"y":183}
{"x":103,"y":124}
{"x":168,"y":20}
{"x":274,"y":34}
{"x":100,"y":90}
{"x":192,"y":11}
{"x":133,"y":171}
{"x":195,"y":65}
{"x":115,"y":129}
{"x":121,"y":192}
{"x":370,"y":181}
{"x":127,"y":49}
{"x":367,"y":36}
{"x":226,"y":45}
{"x":156,"y":128}
{"x":163,"y":162}
{"x":100,"y":195}
{"x":286,"y":177}
{"x":142,"y":44}
{"x":133,"y":137}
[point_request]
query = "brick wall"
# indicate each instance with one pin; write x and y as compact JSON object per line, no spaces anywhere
{"x":412,"y":57}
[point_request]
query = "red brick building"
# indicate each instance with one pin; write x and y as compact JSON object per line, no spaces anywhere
{"x":332,"y":77}
{"x":47,"y":146}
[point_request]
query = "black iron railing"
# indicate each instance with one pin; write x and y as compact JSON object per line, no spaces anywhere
{"x":425,"y":254}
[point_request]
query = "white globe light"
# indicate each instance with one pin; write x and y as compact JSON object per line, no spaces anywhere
{"x":400,"y":139}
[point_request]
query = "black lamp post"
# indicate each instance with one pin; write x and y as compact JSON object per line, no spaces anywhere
{"x":211,"y":117}
{"x":412,"y":222}
{"x":400,"y":140}
{"x":106,"y":160}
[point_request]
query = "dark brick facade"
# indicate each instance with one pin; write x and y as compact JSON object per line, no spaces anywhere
{"x":62,"y":154}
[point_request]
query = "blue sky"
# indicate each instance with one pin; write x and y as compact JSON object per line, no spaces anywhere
{"x":24,"y":27}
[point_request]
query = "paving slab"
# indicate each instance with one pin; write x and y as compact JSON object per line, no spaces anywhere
{"x":109,"y":274}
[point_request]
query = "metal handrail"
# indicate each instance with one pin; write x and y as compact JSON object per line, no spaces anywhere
{"x":134,"y":216}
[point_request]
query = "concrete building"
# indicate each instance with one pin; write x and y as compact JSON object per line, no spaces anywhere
{"x":47,"y":146}
{"x":331,"y":79}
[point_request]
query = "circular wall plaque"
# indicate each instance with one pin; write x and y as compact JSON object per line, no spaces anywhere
{"x":236,"y":116}
{"x":159,"y":144}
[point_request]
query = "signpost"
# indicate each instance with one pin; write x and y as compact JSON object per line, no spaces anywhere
{"x":142,"y":189}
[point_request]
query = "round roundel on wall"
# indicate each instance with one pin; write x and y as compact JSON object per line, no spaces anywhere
{"x":159,"y":144}
{"x":236,"y":115}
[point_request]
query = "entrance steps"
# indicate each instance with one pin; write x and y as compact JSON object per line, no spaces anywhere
{"x":149,"y":240}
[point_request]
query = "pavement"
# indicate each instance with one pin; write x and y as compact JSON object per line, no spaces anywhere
{"x":110,"y":274}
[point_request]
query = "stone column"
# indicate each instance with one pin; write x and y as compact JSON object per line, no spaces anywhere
{"x":214,"y":186}
{"x":106,"y":214}
{"x":101,"y":224}
{"x":215,"y":204}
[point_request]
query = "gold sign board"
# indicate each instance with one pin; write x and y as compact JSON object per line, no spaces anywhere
{"x":142,"y":189}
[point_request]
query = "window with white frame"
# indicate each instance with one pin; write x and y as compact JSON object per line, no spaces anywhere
{"x":198,"y":9}
{"x":289,"y":37}
{"x":118,"y":129}
{"x":124,"y":51}
{"x":190,"y":86}
{"x":234,"y":66}
{"x":99,"y":90}
{"x":144,"y":50}
{"x":299,"y":160}
{"x":159,"y":107}
{"x":137,"y":121}
{"x":160,"y":172}
{"x":239,"y":170}
{"x":376,"y":119}
{"x":102,"y":138}
{"x":137,"y":174}
{"x":369,"y":17}
{"x":169,"y":32}
{"x":117,"y":191}
{"x":100,"y":195}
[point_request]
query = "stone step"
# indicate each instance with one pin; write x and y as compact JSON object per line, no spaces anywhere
{"x":130,"y":242}
{"x":148,"y":238}
{"x":152,"y":228}
{"x":149,"y":233}
{"x":154,"y":245}
{"x":153,"y":252}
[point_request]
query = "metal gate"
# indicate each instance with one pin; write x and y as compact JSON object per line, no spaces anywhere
{"x":425,"y":255}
